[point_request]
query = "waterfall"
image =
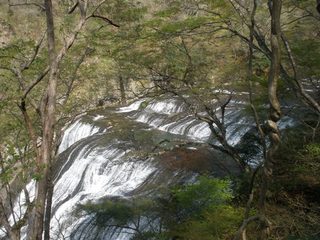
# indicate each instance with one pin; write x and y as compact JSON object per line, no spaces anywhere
{"x":161,"y":114}
{"x":77,"y":131}
{"x":200,"y":131}
{"x":132,"y":107}
{"x":20,"y":208}
{"x":94,"y":169}
{"x":96,"y":164}
{"x":166,"y":106}
{"x":97,"y":171}
{"x":21,"y":203}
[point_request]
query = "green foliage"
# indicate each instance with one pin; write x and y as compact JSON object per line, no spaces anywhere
{"x":216,"y":4}
{"x":123,"y":12}
{"x":170,"y":11}
{"x":313,"y":150}
{"x":216,"y":223}
{"x":191,"y":200}
{"x":185,"y":44}
{"x":307,"y":55}
{"x":118,"y":211}
{"x":201,"y":209}
{"x":297,"y":181}
{"x":185,"y":25}
{"x":309,"y":161}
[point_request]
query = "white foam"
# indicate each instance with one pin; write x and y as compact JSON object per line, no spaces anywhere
{"x":94,"y":174}
{"x":98,"y":117}
{"x":77,"y":131}
{"x":166,"y":106}
{"x":132,"y":107}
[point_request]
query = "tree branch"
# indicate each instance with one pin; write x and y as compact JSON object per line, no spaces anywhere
{"x":35,"y":54}
{"x":71,"y":10}
{"x":109,"y":21}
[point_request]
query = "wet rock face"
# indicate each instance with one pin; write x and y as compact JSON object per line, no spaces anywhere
{"x":201,"y":160}
{"x":108,"y":101}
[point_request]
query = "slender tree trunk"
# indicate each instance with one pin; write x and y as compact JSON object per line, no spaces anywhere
{"x":48,"y":121}
{"x":275,"y":111}
{"x":48,"y":208}
{"x":122,"y":90}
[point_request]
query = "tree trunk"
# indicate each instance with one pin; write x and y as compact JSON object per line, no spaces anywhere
{"x":48,"y":121}
{"x":122,"y":90}
{"x":48,"y":208}
{"x":275,"y":111}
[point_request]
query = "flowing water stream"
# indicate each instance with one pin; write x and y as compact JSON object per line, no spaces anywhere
{"x":104,"y":159}
{"x":130,"y":151}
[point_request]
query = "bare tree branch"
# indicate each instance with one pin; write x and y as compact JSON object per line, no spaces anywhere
{"x":299,"y":87}
{"x":71,"y":10}
{"x":105,"y":19}
{"x":35,"y":54}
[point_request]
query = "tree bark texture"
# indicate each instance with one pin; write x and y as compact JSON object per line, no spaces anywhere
{"x":275,"y":111}
{"x":48,"y":122}
{"x":122,"y":90}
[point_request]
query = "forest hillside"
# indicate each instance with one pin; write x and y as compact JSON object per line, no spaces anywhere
{"x":159,"y":119}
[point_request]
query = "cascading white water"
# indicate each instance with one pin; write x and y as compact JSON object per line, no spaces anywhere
{"x":20,"y":208}
{"x":201,"y":131}
{"x":132,"y":107}
{"x":21,"y":205}
{"x":77,"y":131}
{"x":157,"y":114}
{"x":178,"y":127}
{"x":150,"y":119}
{"x":95,"y":169}
{"x":96,"y":172}
{"x":166,"y":106}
